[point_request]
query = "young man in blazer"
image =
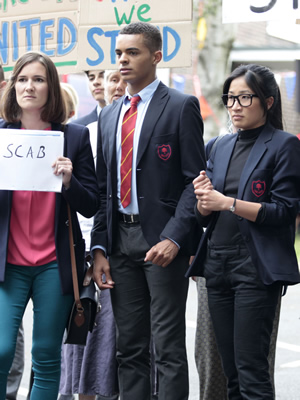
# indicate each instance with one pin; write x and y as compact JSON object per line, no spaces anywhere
{"x":96,"y":86}
{"x":149,"y":241}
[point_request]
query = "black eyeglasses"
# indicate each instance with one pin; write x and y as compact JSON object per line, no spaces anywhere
{"x":244,"y":100}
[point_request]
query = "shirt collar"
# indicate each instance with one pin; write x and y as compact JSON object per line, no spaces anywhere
{"x":98,"y":109}
{"x":144,"y":94}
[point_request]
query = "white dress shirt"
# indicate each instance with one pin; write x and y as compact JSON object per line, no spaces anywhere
{"x":146,"y":96}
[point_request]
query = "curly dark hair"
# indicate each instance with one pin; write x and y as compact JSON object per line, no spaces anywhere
{"x":151,"y":34}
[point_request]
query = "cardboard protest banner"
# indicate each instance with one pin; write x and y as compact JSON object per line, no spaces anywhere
{"x":80,"y":34}
{"x":176,"y":46}
{"x":55,"y":36}
{"x":17,"y":8}
{"x":26,"y":158}
{"x":260,"y":10}
{"x":119,"y":12}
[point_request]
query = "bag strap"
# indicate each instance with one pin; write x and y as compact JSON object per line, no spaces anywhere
{"x":80,"y":309}
{"x":214,"y":145}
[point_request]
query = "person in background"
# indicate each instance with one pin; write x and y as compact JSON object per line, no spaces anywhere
{"x":35,"y":258}
{"x":91,"y":370}
{"x":114,"y":86}
{"x":248,"y":200}
{"x":2,"y":80}
{"x":145,"y":230}
{"x":298,"y":215}
{"x":71,"y":100}
{"x":96,"y":86}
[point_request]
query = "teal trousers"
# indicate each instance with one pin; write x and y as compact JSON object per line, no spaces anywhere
{"x":50,"y":313}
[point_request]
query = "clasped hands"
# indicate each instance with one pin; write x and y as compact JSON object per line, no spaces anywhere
{"x":208,"y":198}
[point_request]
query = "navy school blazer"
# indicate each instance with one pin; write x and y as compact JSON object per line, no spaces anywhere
{"x":83,"y":197}
{"x":271,"y":175}
{"x":170,"y":155}
{"x":87,"y":119}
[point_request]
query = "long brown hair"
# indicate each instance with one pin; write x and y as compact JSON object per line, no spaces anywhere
{"x":54,"y":109}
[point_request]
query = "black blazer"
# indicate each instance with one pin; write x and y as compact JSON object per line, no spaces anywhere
{"x":82,"y":196}
{"x":87,"y":119}
{"x":271,"y":175}
{"x":164,"y":182}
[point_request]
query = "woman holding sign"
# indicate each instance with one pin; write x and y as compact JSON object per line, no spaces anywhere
{"x":248,"y":198}
{"x":34,"y":246}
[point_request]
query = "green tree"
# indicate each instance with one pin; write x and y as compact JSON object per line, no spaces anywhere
{"x":213,"y":55}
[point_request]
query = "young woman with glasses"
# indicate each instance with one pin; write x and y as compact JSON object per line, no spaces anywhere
{"x":248,"y":200}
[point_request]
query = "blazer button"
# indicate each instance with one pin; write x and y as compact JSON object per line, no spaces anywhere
{"x":109,"y":196}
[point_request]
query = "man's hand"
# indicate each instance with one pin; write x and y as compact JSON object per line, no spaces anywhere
{"x":162,"y":253}
{"x":101,"y":271}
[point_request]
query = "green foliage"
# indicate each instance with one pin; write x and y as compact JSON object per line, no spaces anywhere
{"x":211,"y":7}
{"x":297,"y":246}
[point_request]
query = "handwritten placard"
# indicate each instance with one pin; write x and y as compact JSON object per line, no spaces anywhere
{"x":80,"y":34}
{"x":26,"y":157}
{"x":260,"y":10}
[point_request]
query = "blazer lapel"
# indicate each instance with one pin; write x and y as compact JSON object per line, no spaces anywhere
{"x":155,"y":109}
{"x":258,"y":150}
{"x":112,"y":131}
{"x":63,"y":128}
{"x":221,"y":161}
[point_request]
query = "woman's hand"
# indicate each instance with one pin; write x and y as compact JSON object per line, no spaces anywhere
{"x":202,"y":185}
{"x":212,"y":200}
{"x":209,"y":200}
{"x":64,"y":166}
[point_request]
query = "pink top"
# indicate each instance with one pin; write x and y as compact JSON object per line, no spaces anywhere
{"x":31,"y":238}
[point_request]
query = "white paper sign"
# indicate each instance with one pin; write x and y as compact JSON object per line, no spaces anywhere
{"x":260,"y":10}
{"x":26,"y":158}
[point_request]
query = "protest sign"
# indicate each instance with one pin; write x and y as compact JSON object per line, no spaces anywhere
{"x":26,"y":158}
{"x":260,"y":10}
{"x":80,"y":34}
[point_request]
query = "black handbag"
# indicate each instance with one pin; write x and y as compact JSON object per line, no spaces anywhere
{"x":82,"y":317}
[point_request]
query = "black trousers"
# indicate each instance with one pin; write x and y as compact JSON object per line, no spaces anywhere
{"x":242,"y":309}
{"x":148,"y":299}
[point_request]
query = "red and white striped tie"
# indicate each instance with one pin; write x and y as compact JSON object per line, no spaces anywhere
{"x":128,"y":127}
